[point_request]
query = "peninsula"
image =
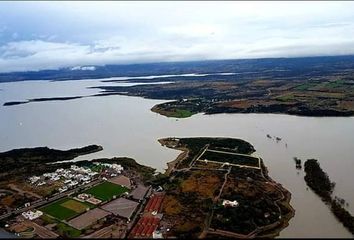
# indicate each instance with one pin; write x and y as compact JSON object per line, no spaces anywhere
{"x":215,"y":188}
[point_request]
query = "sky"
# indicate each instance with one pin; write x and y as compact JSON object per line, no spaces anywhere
{"x":51,"y":35}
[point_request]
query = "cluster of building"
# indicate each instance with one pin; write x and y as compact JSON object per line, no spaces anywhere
{"x":75,"y":175}
{"x":118,"y":168}
{"x":32,"y":214}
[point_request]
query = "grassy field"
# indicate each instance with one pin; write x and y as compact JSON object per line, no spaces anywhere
{"x":181,"y":113}
{"x":65,"y":209}
{"x":305,"y":86}
{"x":75,"y":206}
{"x":67,"y":231}
{"x":105,"y":191}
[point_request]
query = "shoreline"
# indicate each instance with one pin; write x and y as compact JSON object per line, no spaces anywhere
{"x":274,"y":228}
{"x":171,"y":165}
{"x":169,"y":114}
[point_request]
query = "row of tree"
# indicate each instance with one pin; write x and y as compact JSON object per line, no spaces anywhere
{"x":320,"y":183}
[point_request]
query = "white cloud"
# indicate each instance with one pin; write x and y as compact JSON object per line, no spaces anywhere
{"x":55,"y":35}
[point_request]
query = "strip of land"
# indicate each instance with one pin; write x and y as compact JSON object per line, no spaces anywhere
{"x":320,"y":183}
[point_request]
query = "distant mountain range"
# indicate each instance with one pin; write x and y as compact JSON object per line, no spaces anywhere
{"x":284,"y":66}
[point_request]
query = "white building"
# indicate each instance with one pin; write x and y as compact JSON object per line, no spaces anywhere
{"x":228,"y":203}
{"x":67,"y":181}
{"x":63,"y":189}
{"x":59,"y":170}
{"x":41,"y":183}
{"x":74,"y":167}
{"x":34,"y":179}
{"x":157,"y":234}
{"x":55,"y":178}
{"x":31,"y":215}
{"x":73,"y":183}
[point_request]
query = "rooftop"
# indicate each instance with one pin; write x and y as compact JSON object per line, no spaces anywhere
{"x":139,"y":192}
{"x":122,"y":207}
{"x":88,"y":218}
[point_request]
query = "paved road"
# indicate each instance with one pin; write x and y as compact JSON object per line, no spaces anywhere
{"x":41,"y":202}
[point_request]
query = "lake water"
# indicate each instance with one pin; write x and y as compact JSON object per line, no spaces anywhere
{"x":125,"y":126}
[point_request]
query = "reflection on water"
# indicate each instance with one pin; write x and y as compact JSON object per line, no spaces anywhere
{"x":125,"y":126}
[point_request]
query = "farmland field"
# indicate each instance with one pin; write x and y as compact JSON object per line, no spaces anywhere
{"x":105,"y":191}
{"x":65,"y":209}
{"x":230,"y":158}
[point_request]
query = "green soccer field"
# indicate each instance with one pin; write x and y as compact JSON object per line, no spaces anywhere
{"x":105,"y":191}
{"x":63,"y":210}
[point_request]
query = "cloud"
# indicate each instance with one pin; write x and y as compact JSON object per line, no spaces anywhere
{"x":49,"y":35}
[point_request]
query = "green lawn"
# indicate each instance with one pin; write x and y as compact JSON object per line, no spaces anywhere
{"x":305,"y":86}
{"x":60,"y":212}
{"x":285,"y":98}
{"x":67,"y":231}
{"x":105,"y":191}
{"x":97,"y":168}
{"x":181,"y":113}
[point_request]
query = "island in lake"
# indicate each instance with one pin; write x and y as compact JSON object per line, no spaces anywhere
{"x":215,"y":188}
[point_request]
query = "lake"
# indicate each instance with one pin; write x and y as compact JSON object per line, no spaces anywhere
{"x":125,"y":126}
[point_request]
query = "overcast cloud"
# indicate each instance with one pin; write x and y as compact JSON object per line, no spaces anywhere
{"x":51,"y":35}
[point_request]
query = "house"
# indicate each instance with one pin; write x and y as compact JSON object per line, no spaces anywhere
{"x":74,"y":167}
{"x":47,"y":175}
{"x":73,"y":183}
{"x":228,"y":203}
{"x":67,"y":181}
{"x":92,"y":174}
{"x":55,"y":178}
{"x":59,"y":170}
{"x":85,"y":178}
{"x":41,"y":183}
{"x":34,"y":179}
{"x":63,"y":189}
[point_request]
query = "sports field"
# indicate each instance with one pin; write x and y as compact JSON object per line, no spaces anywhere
{"x":105,"y":191}
{"x":65,"y":209}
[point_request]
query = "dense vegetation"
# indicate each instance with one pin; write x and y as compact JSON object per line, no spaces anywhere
{"x":195,"y":144}
{"x":319,"y":181}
